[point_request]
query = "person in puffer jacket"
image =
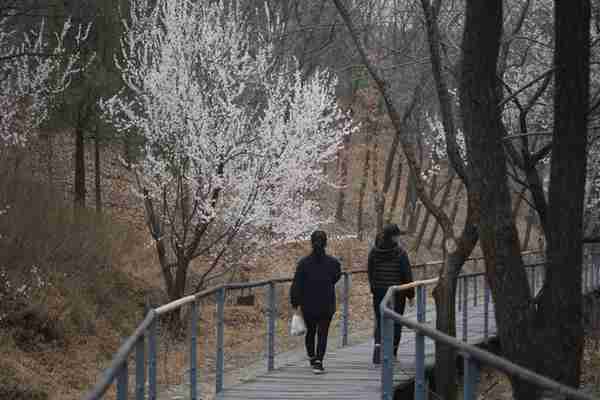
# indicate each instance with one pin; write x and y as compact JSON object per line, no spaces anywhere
{"x":388,"y":265}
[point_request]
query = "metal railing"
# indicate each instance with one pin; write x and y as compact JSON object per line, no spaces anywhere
{"x":472,"y":355}
{"x":142,"y":345}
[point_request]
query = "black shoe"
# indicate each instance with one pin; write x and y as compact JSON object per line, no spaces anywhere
{"x":317,"y":367}
{"x":377,"y":354}
{"x":312,"y":361}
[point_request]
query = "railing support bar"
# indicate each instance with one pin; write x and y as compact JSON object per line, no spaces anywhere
{"x":140,"y":370}
{"x":459,"y":284}
{"x":471,"y":376}
{"x":387,"y":368}
{"x":152,"y":353}
{"x":220,"y":340}
{"x":486,"y":309}
{"x":420,"y":389}
{"x":122,"y":382}
{"x":271,"y":328}
{"x":345,"y":309}
{"x":194,"y":351}
{"x":465,"y":316}
{"x":475,"y":290}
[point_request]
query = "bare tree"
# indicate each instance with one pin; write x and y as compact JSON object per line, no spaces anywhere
{"x":459,"y":247}
{"x":527,"y":326}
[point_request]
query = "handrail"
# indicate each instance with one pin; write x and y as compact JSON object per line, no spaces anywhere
{"x":471,"y":354}
{"x":111,"y":372}
{"x":120,"y":358}
{"x":484,"y":356}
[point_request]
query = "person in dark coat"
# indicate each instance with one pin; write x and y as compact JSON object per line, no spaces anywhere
{"x":313,"y":290}
{"x":388,"y":265}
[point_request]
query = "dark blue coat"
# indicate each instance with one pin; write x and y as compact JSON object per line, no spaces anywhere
{"x":313,"y":288}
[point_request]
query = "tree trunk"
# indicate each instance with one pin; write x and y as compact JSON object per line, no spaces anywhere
{"x":413,"y":222}
{"x":394,"y":204}
{"x":378,"y":199}
{"x":445,"y":301}
{"x":459,"y":190}
{"x":410,"y":200}
{"x":363,"y":186}
{"x":443,"y":201}
{"x":97,"y":173}
{"x":416,"y":214}
{"x":50,"y":160}
{"x":79,"y":180}
{"x":127,"y":151}
{"x":484,"y":134}
{"x":560,"y":320}
{"x":427,"y":215}
{"x":531,"y":217}
{"x":343,"y":178}
{"x":445,"y":321}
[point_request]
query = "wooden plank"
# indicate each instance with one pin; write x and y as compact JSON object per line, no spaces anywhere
{"x":349,"y":372}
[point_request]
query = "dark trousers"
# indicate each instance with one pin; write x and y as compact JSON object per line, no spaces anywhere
{"x":319,"y":327}
{"x":399,"y":303}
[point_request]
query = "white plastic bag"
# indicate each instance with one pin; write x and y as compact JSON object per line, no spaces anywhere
{"x":297,"y":327}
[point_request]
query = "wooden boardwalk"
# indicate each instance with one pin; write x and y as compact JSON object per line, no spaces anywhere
{"x":349,"y":372}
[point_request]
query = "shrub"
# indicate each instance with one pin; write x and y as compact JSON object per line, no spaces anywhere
{"x":56,"y":264}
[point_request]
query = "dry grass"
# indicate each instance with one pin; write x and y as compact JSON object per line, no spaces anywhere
{"x":102,"y":272}
{"x":64,"y":303}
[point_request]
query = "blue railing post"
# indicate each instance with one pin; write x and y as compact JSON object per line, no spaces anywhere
{"x":459,"y":284}
{"x":387,"y":368}
{"x":465,"y":315}
{"x":220,"y":340}
{"x":475,"y":290}
{"x":345,"y":309}
{"x":271,"y":327}
{"x":471,"y":375}
{"x":486,"y":309}
{"x":122,"y":382}
{"x":152,"y":352}
{"x":194,"y":351}
{"x":140,"y":370}
{"x":420,"y":346}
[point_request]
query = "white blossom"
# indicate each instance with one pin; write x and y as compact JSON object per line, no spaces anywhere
{"x":435,"y":143}
{"x":240,"y":128}
{"x":33,"y":71}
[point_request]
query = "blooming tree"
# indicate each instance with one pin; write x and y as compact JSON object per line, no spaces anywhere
{"x":234,"y":136}
{"x":434,"y":137}
{"x":33,"y":71}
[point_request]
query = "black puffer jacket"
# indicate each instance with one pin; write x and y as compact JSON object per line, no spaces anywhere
{"x":388,"y":265}
{"x":313,"y":288}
